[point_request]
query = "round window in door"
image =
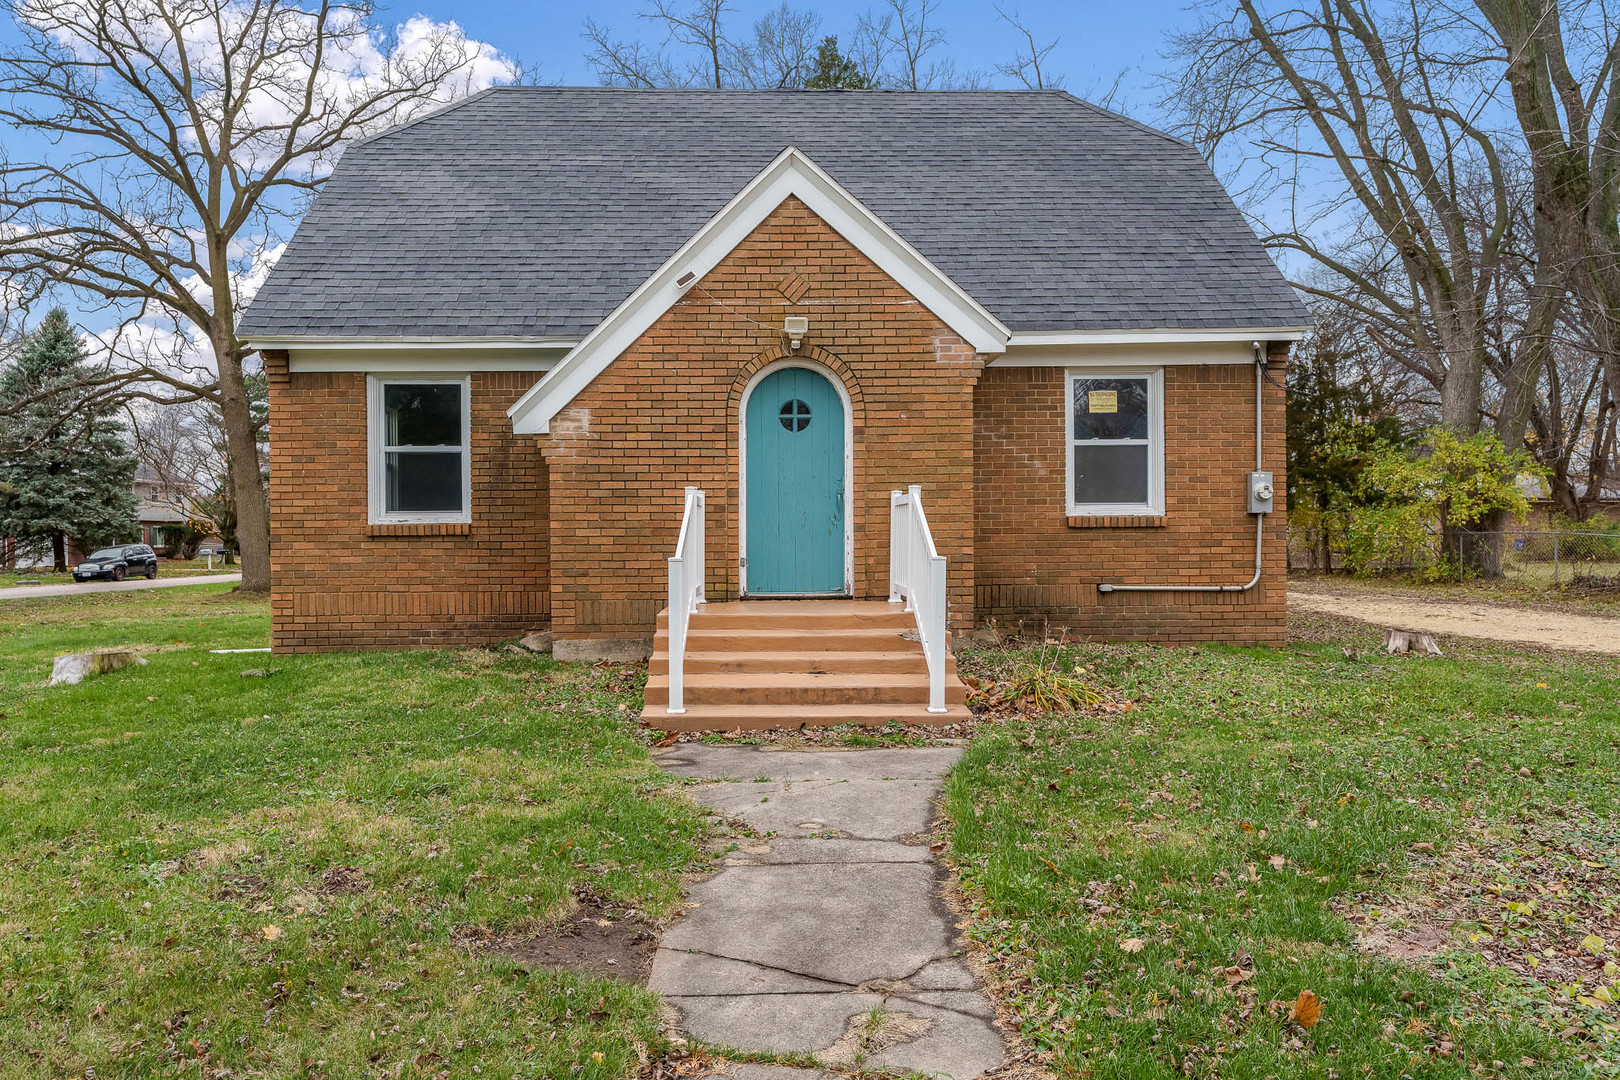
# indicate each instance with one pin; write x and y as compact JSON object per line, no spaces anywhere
{"x":795,"y":415}
{"x":794,"y":485}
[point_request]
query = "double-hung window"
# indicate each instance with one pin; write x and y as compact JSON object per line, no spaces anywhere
{"x":1116,"y":442}
{"x":419,"y":460}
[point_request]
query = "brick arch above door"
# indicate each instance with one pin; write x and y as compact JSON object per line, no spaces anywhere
{"x":814,"y":357}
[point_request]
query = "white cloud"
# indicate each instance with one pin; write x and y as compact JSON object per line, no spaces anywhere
{"x":362,"y":76}
{"x":381,"y":76}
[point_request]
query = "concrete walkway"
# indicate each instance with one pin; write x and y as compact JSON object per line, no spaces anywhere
{"x":74,"y":588}
{"x":825,"y":933}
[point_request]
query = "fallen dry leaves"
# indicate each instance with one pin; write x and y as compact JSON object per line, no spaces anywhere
{"x":1307,"y":1009}
{"x":1532,"y":900}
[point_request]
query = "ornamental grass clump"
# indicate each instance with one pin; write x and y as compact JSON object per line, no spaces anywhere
{"x":1042,"y":684}
{"x":1032,"y":682}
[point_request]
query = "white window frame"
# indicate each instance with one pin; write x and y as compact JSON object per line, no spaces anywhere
{"x":376,"y":427}
{"x":1154,"y":442}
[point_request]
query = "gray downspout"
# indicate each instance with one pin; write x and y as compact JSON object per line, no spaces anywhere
{"x":1259,"y":519}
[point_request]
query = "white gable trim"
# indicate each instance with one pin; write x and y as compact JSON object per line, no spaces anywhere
{"x":1167,"y":336}
{"x":790,"y":174}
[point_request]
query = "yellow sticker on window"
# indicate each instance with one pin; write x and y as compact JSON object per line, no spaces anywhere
{"x":1102,"y":401}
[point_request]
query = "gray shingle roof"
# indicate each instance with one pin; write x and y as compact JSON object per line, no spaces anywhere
{"x":534,"y":211}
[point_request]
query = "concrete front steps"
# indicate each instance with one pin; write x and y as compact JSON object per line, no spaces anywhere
{"x":788,"y":663}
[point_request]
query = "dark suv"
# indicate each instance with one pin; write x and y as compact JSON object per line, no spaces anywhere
{"x":117,"y":563}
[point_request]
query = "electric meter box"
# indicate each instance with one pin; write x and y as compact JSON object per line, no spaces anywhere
{"x":1262,"y":494}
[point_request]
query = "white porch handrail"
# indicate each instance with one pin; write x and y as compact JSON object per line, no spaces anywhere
{"x":917,"y":576}
{"x":686,"y":592}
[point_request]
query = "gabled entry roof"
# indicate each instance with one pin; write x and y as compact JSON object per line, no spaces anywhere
{"x":790,"y":175}
{"x":531,"y":213}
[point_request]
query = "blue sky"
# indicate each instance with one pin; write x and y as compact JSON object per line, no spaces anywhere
{"x":1097,"y":39}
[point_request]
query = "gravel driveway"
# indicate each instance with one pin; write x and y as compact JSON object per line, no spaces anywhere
{"x":1475,"y":619}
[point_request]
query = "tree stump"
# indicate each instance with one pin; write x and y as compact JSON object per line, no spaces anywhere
{"x":73,"y":668}
{"x":1405,"y":641}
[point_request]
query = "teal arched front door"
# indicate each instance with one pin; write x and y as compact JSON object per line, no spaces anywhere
{"x":795,"y":484}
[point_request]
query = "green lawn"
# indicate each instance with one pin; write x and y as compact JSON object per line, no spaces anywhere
{"x":171,"y":834}
{"x":1248,"y":806}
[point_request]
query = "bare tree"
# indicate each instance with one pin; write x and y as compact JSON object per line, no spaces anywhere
{"x":183,"y":448}
{"x":1027,"y":65}
{"x":783,"y":51}
{"x":628,"y":63}
{"x":895,"y":47}
{"x":711,"y":56}
{"x":1328,"y":96}
{"x":897,"y":42}
{"x":1562,"y":64}
{"x":183,"y":137}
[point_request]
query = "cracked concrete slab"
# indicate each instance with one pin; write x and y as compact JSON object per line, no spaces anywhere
{"x":954,"y":1045}
{"x":679,"y":974}
{"x":773,"y":1023}
{"x":970,"y":1002}
{"x":862,"y":809}
{"x":702,"y":761}
{"x":839,"y":948}
{"x":750,"y":1071}
{"x":847,"y":924}
{"x":943,"y":975}
{"x":807,"y":851}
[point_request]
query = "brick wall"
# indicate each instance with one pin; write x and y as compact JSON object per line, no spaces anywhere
{"x":1034,"y":563}
{"x":339,"y":582}
{"x":574,"y":528}
{"x":666,"y":413}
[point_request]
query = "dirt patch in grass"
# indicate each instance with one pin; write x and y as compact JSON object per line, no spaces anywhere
{"x":241,"y":887}
{"x":596,"y":940}
{"x":343,"y":881}
{"x":1527,"y":914}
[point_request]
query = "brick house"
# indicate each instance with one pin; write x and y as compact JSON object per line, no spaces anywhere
{"x":510,"y":335}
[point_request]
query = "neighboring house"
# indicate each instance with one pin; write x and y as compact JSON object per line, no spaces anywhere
{"x":509,"y":334}
{"x":157,"y":508}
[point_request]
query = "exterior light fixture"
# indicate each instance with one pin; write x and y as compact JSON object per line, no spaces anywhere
{"x":795,"y":327}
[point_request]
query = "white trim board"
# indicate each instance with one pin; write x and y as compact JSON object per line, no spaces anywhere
{"x":790,"y":174}
{"x":463,"y":358}
{"x":1156,"y":354}
{"x":1168,"y":335}
{"x":413,"y":343}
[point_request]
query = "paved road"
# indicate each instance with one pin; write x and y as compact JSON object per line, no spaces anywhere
{"x":826,"y":932}
{"x":23,"y":592}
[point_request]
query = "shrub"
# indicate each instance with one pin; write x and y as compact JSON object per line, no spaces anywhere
{"x":1418,"y":499}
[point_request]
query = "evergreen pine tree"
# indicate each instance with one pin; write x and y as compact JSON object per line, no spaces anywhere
{"x":835,"y":71}
{"x":1336,"y":419}
{"x":66,"y":469}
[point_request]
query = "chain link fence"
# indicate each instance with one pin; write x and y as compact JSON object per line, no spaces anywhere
{"x":1583,"y":560}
